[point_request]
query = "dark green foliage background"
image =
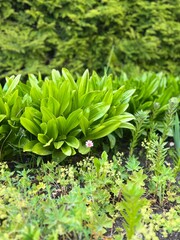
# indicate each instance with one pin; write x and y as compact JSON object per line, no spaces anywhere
{"x":38,"y":35}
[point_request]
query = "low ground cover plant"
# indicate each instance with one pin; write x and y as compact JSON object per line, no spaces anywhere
{"x":94,"y":199}
{"x":87,"y":172}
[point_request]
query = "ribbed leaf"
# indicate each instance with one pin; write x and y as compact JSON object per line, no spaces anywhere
{"x":48,"y":143}
{"x":58,"y":145}
{"x":2,"y":116}
{"x":52,"y":129}
{"x":126,"y":117}
{"x":64,"y":96}
{"x":2,"y":108}
{"x":61,"y":125}
{"x":55,"y":76}
{"x":13,"y":84}
{"x":30,"y":126}
{"x":72,"y":142}
{"x":29,"y":145}
{"x":104,"y":129}
{"x":46,"y":114}
{"x":39,"y":149}
{"x":84,"y":124}
{"x":54,"y":106}
{"x":43,"y":138}
{"x":66,"y":74}
{"x":83,"y":83}
{"x":66,"y":150}
{"x":97,"y":111}
{"x":73,"y":120}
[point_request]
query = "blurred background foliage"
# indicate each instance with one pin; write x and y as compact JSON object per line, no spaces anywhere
{"x":106,"y":35}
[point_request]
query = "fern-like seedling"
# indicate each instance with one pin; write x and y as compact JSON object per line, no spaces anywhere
{"x":132,"y":203}
{"x":169,"y":117}
{"x":141,"y":120}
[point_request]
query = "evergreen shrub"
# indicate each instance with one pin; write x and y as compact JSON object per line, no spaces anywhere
{"x":39,"y":35}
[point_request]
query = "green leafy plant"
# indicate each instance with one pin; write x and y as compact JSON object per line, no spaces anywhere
{"x":132,"y":164}
{"x":12,"y":105}
{"x":141,"y":121}
{"x":130,"y":206}
{"x":113,"y":34}
{"x":65,"y":113}
{"x":176,"y":136}
{"x":161,"y":175}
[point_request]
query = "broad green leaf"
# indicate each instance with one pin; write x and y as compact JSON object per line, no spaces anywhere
{"x":36,"y":94}
{"x":13,"y":84}
{"x":43,"y":127}
{"x":97,"y":111}
{"x":97,"y":165}
{"x":58,"y":145}
{"x":112,"y":140}
{"x":32,"y":113}
{"x":64,"y":96}
{"x":12,"y":123}
{"x":87,"y":99}
{"x":73,"y":120}
{"x":55,"y":76}
{"x":148,"y":88}
{"x":83,"y":84}
{"x":117,"y":95}
{"x":46,"y":114}
{"x":11,"y":99}
{"x":33,"y":80}
{"x":2,"y":117}
{"x":121,"y":108}
{"x":66,"y":150}
{"x":7,"y":109}
{"x":2,"y":108}
{"x":104,"y":129}
{"x":16,"y":109}
{"x":72,"y":141}
{"x":58,"y":156}
{"x":39,"y":149}
{"x":127,"y":125}
{"x":108,"y":97}
{"x":61,"y":125}
{"x":145,"y":106}
{"x":30,"y":126}
{"x":66,"y":74}
{"x":127,"y":95}
{"x":53,"y":106}
{"x":84,"y":124}
{"x":126,"y":117}
{"x":48,"y":143}
{"x":52,"y":129}
{"x":83,"y":149}
{"x":4,"y":129}
{"x":164,"y":98}
{"x":29,"y":145}
{"x":43,"y":138}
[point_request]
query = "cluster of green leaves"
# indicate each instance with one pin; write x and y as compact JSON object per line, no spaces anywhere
{"x":39,"y":35}
{"x":156,"y":99}
{"x":12,"y":105}
{"x":56,"y":116}
{"x":82,"y":201}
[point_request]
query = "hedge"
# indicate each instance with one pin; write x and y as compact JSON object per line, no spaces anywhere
{"x":39,"y":35}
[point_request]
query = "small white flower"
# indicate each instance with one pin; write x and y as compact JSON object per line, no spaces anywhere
{"x":171,"y":144}
{"x":89,"y":143}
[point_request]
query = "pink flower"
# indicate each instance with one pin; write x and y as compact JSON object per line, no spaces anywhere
{"x":89,"y":143}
